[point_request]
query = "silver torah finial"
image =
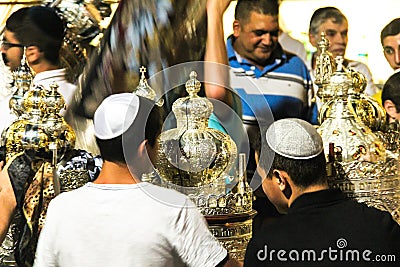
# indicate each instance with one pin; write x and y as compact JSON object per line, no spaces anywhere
{"x":325,"y":64}
{"x":23,"y":76}
{"x":144,"y":89}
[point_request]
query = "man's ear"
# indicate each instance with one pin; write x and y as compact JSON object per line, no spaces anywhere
{"x":313,"y":39}
{"x":284,"y":182}
{"x":390,"y":108}
{"x":33,"y":54}
{"x":281,"y":179}
{"x":236,"y":28}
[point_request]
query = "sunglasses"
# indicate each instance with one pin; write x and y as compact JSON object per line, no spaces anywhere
{"x":7,"y":45}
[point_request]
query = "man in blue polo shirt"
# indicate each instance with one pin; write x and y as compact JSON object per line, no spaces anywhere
{"x":280,"y":77}
{"x":272,"y":84}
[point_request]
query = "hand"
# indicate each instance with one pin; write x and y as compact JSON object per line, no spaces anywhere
{"x":217,"y":7}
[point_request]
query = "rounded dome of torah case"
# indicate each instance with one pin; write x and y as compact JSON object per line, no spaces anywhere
{"x":192,"y":154}
{"x":352,"y":139}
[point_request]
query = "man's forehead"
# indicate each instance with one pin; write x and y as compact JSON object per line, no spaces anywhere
{"x":261,"y":21}
{"x":9,"y":36}
{"x":332,"y":24}
{"x":391,"y":40}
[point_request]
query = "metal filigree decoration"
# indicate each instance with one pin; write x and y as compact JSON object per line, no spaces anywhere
{"x":325,"y":66}
{"x":23,"y":76}
{"x":196,"y":161}
{"x":390,"y":135}
{"x":363,"y":168}
{"x":40,"y":128}
{"x":350,"y":136}
{"x":350,"y":84}
{"x":192,"y":154}
{"x":375,"y":184}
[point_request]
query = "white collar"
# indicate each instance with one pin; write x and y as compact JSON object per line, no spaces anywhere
{"x":56,"y":75}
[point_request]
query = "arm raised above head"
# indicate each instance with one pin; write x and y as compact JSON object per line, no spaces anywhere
{"x":216,"y":75}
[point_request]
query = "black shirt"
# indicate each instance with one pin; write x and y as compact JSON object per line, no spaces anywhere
{"x":325,"y":228}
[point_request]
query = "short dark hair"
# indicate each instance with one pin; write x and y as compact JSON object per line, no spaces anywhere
{"x":322,"y":14}
{"x":152,"y":117}
{"x":303,"y":172}
{"x":39,"y":26}
{"x":265,"y":7}
{"x":393,"y":28}
{"x":391,"y":90}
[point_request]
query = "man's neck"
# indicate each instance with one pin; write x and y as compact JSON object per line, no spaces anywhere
{"x":296,"y":191}
{"x":38,"y":68}
{"x":115,"y":173}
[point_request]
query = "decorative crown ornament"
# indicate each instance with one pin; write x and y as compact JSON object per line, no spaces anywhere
{"x":363,"y":169}
{"x":192,"y":154}
{"x":350,"y":136}
{"x":346,"y":83}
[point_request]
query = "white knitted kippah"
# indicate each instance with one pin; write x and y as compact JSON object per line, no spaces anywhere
{"x":294,"y":138}
{"x":115,"y":114}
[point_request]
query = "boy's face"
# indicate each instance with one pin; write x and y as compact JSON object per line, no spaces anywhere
{"x":391,"y":50}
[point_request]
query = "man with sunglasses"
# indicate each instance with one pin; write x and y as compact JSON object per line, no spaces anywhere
{"x":41,"y":31}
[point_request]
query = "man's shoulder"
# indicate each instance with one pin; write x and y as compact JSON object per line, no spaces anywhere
{"x":349,"y":211}
{"x":68,"y":196}
{"x":293,"y":59}
{"x":166,"y":196}
{"x":370,"y":214}
{"x":359,"y":66}
{"x":352,"y":63}
{"x":351,"y":219}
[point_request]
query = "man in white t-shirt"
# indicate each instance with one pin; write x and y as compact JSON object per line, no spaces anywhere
{"x":118,"y":220}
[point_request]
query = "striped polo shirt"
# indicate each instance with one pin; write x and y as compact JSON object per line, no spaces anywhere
{"x":283,"y":87}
